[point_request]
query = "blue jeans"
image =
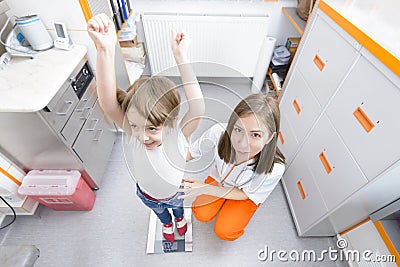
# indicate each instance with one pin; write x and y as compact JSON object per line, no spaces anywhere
{"x":160,"y":208}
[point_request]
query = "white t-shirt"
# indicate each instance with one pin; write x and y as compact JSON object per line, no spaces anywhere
{"x":159,"y":172}
{"x":256,"y":186}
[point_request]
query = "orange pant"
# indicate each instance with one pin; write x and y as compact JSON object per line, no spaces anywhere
{"x":233,"y":216}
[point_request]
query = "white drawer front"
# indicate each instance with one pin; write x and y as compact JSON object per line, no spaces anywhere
{"x":299,"y":106}
{"x":366,"y":113}
{"x":303,"y":194}
{"x":287,"y":141}
{"x":325,"y":59}
{"x":335,"y":172}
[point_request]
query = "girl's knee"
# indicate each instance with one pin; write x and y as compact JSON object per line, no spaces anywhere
{"x":201,"y":215}
{"x":224,"y":233}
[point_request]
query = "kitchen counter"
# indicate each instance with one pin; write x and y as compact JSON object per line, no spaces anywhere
{"x":28,"y":85}
{"x":373,"y":23}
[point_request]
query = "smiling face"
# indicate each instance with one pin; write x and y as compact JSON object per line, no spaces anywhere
{"x":148,"y":134}
{"x":248,"y":137}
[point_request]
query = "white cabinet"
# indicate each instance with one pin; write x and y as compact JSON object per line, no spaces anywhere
{"x":366,"y":114}
{"x":326,"y":57}
{"x":301,"y":110}
{"x":340,"y":126}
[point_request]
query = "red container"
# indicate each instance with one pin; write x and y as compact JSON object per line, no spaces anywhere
{"x":58,"y":189}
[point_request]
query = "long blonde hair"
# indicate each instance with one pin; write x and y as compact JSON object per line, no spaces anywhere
{"x":155,"y":98}
{"x":266,"y":109}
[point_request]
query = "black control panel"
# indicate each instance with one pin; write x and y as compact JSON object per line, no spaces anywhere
{"x":82,"y":80}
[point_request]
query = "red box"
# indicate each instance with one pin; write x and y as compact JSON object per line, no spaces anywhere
{"x":58,"y":189}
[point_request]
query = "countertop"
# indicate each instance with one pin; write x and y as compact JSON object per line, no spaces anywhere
{"x":379,"y":20}
{"x":28,"y":85}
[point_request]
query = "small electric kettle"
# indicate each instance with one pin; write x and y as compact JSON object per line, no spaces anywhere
{"x":33,"y":30}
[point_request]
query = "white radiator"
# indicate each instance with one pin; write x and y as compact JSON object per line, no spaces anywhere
{"x":232,"y":41}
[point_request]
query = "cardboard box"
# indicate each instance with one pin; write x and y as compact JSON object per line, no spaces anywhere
{"x":291,"y":44}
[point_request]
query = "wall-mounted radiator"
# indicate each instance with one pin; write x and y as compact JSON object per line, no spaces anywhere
{"x":232,"y":41}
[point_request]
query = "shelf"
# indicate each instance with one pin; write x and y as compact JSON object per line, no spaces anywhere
{"x":297,"y":22}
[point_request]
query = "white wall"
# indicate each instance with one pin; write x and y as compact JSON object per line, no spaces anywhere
{"x":279,"y":27}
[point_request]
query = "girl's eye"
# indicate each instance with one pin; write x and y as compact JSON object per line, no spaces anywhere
{"x":134,"y":126}
{"x":256,"y":135}
{"x":237,"y":129}
{"x":153,"y":129}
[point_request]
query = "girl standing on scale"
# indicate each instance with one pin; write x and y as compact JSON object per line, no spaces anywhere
{"x":148,"y":113}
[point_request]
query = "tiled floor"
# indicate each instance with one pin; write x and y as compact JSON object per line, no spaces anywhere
{"x":114,"y":233}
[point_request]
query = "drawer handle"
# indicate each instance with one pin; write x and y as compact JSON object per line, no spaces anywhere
{"x":69,"y":105}
{"x":325,"y":162}
{"x":296,"y":106}
{"x":319,"y":62}
{"x":98,"y":135}
{"x":281,"y":137}
{"x":300,"y":187}
{"x":94,"y":125}
{"x":80,"y":104}
{"x":85,"y":113}
{"x":363,"y":119}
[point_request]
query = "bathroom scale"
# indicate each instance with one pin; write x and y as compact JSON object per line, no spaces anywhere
{"x":156,"y":244}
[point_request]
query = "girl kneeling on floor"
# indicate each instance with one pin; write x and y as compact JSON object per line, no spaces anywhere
{"x":247,"y":167}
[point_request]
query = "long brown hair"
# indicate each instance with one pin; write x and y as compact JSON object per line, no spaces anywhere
{"x":266,"y":109}
{"x":155,"y":98}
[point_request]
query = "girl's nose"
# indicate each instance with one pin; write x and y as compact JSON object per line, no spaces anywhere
{"x":143,"y":137}
{"x":243,"y":141}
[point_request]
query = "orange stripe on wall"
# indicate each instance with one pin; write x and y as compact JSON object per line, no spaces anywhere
{"x":389,"y":244}
{"x":377,"y":50}
{"x":86,"y":9}
{"x":9,"y":176}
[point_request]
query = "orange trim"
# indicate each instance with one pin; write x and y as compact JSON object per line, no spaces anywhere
{"x":325,"y":162}
{"x":300,"y":187}
{"x":9,"y":176}
{"x":363,"y":119}
{"x":281,"y":137}
{"x":389,"y":244}
{"x":355,"y":226}
{"x":296,"y":106}
{"x":376,"y":49}
{"x":319,"y":62}
{"x":292,"y":21}
{"x":86,"y":9}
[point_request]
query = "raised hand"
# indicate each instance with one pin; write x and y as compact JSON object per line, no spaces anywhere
{"x":180,"y":45}
{"x":102,"y":31}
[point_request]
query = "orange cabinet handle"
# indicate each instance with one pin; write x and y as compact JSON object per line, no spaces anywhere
{"x":303,"y":195}
{"x":325,"y":162}
{"x":319,"y":62}
{"x":296,"y":106}
{"x":281,"y":138}
{"x":363,"y":119}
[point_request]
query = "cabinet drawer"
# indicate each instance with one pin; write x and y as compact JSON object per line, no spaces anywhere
{"x":365,"y":111}
{"x":325,"y":58}
{"x":335,"y":172}
{"x":304,"y":197}
{"x":94,"y":144}
{"x":299,"y":106}
{"x":287,"y":141}
{"x":79,"y":116}
{"x":58,"y":113}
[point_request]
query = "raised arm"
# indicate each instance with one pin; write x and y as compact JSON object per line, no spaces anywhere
{"x":191,"y":87}
{"x":102,"y":31}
